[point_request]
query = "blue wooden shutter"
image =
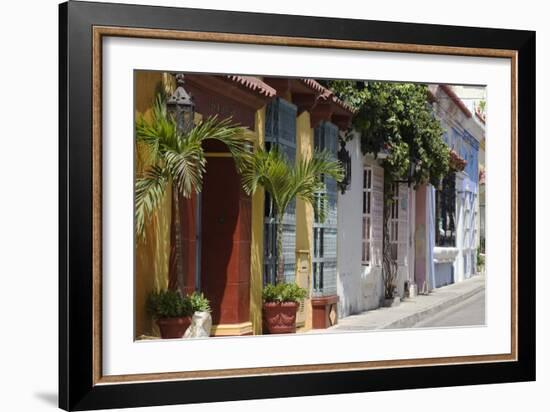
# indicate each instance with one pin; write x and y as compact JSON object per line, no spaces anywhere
{"x":280,"y":130}
{"x":325,"y":233}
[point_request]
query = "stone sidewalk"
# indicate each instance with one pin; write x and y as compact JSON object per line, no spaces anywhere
{"x":412,"y":311}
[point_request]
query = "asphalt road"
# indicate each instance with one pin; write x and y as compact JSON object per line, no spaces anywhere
{"x":470,"y":312}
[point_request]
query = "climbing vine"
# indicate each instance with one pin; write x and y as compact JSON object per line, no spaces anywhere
{"x":395,"y":119}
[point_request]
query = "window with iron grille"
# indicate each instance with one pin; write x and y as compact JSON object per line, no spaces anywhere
{"x":394,"y":221}
{"x":280,"y":131}
{"x":445,"y":207}
{"x":467,"y":220}
{"x":367,"y":217}
{"x":324,"y":259}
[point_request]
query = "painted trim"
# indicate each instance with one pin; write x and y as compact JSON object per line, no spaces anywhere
{"x":218,"y":154}
{"x":257,"y":237}
{"x":232,"y":329}
{"x":304,"y":222}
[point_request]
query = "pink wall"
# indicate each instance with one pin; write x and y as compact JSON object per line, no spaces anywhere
{"x":420,"y":238}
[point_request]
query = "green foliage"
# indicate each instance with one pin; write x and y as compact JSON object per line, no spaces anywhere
{"x":482,"y":106}
{"x":168,"y":304}
{"x":199,"y":303}
{"x":396,"y":119}
{"x":283,"y":292}
{"x":480,"y":260}
{"x":178,"y":158}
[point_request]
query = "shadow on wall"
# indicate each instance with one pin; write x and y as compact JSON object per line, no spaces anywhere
{"x":346,"y":291}
{"x":359,"y":292}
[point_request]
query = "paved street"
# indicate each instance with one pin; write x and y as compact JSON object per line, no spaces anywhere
{"x":467,"y":313}
{"x":459,"y":304}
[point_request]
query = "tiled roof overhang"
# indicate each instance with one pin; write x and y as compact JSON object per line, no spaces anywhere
{"x":253,"y":93}
{"x":254,"y":84}
{"x":456,"y":100}
{"x":244,"y":90}
{"x":232,"y":96}
{"x":480,"y":116}
{"x":308,"y":95}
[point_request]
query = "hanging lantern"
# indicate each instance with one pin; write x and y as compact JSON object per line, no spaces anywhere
{"x":180,"y":104}
{"x":345,"y":159}
{"x":414,"y":167}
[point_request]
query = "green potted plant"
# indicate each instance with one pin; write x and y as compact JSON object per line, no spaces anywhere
{"x":199,"y":303}
{"x":480,"y":261}
{"x":201,"y":323}
{"x":281,"y":302}
{"x":172,"y":312}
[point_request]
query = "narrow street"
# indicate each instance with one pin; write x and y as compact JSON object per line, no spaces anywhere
{"x":458,"y":304}
{"x":469,"y":312}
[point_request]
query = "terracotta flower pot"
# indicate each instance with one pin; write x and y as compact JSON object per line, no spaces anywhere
{"x":173,"y":328}
{"x":280,"y":317}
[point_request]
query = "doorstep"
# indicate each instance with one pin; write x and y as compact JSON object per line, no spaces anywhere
{"x":232,"y":329}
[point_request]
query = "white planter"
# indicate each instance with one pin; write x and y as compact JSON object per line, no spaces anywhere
{"x":445,"y":254}
{"x":201,"y":325}
{"x":413,"y":290}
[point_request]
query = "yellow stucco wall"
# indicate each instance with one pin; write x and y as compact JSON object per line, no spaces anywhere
{"x":304,"y":222}
{"x":257,"y":240}
{"x":152,"y":251}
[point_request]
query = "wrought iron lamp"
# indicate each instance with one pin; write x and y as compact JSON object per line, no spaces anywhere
{"x":181,"y":105}
{"x":345,"y":159}
{"x":413,"y":166}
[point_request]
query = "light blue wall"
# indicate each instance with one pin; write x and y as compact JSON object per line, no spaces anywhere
{"x":444,"y":274}
{"x":465,"y":145}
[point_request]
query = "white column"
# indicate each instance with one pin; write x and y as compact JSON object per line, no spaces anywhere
{"x":459,"y":262}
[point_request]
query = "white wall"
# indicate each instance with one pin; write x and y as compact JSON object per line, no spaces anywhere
{"x":466,"y":240}
{"x":359,"y":287}
{"x":29,"y":355}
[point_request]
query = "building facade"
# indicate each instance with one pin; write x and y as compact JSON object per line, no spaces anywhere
{"x":434,"y":232}
{"x":361,"y":204}
{"x":457,"y":199}
{"x":227,"y":237}
{"x":360,"y":233}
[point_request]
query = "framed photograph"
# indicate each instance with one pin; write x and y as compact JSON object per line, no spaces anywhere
{"x":256,"y":206}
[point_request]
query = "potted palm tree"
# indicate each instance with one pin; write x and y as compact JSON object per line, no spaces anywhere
{"x":285,"y":182}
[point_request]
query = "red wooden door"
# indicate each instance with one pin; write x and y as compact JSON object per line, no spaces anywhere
{"x":225,"y":247}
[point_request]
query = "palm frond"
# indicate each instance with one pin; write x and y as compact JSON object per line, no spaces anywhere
{"x":186,"y":167}
{"x":227,"y":132}
{"x":285,"y":182}
{"x":149,"y":193}
{"x":272,"y":171}
{"x":308,"y":180}
{"x":159,"y":133}
{"x":324,"y":163}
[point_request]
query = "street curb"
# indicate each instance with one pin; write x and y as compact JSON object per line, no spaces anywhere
{"x":411,"y":320}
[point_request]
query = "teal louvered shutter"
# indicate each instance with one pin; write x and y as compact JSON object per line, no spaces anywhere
{"x":325,"y":233}
{"x":280,"y":131}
